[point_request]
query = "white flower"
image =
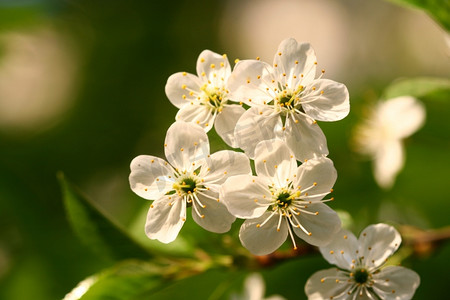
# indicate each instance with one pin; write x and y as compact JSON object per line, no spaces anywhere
{"x":381,"y":135}
{"x":359,"y":274}
{"x":204,"y":99}
{"x":254,"y":289}
{"x":282,"y":199}
{"x":191,"y":178}
{"x":286,"y":100}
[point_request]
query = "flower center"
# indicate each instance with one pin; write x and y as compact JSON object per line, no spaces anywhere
{"x":284,"y":200}
{"x":361,"y":276}
{"x":285,"y":101}
{"x":213,"y":98}
{"x":186,"y":184}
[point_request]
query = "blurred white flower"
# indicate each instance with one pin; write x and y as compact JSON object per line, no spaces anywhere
{"x":360,"y":274}
{"x":254,"y":289}
{"x":283,"y":199}
{"x":204,"y":99}
{"x":193,"y":178}
{"x":380,"y":135}
{"x":285,"y":101}
{"x":38,"y":69}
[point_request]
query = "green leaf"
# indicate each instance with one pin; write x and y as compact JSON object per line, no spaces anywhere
{"x":416,"y":87}
{"x":95,"y":229}
{"x":127,"y":280}
{"x":438,"y":9}
{"x":212,"y":285}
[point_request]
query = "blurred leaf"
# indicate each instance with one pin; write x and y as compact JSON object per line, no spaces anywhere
{"x":124,"y":281}
{"x":416,"y":87}
{"x":180,"y":247}
{"x":438,"y":9}
{"x":95,"y":229}
{"x":346,"y":219}
{"x":13,"y":17}
{"x":211,"y":285}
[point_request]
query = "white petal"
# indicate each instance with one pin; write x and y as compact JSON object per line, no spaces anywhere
{"x":341,"y":251}
{"x":305,"y":138}
{"x":240,"y":192}
{"x":388,"y":162}
{"x":265,"y":239}
{"x":215,"y":68}
{"x":377,"y":243}
{"x":254,"y":287}
{"x":274,"y":159}
{"x":226,"y":123}
{"x":295,"y":59}
{"x":216,"y":217}
{"x":165,"y":219}
{"x":245,"y":86}
{"x":402,"y":115}
{"x":315,"y":289}
{"x":196,"y":113}
{"x":326,"y":100}
{"x":255,"y":125}
{"x":322,"y":226}
{"x":186,"y":146}
{"x":318,"y":175}
{"x":224,"y":164}
{"x":179,"y":86}
{"x":396,"y":283}
{"x":149,"y":177}
{"x":275,"y":297}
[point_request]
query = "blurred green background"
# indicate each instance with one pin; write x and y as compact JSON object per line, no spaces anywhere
{"x":82,"y":92}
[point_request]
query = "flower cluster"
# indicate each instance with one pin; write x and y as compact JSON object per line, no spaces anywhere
{"x":269,"y":111}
